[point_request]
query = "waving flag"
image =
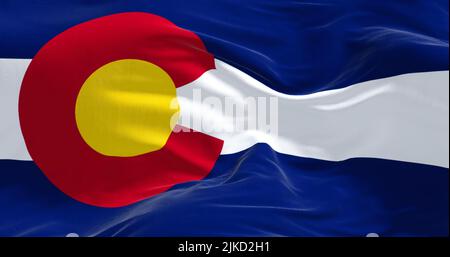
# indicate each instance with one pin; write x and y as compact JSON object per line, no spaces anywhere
{"x":224,"y":118}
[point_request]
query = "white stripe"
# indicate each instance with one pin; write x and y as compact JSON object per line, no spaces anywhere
{"x":400,"y":118}
{"x":12,"y":145}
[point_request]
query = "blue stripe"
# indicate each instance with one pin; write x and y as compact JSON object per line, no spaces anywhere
{"x":294,"y":47}
{"x":257,"y":192}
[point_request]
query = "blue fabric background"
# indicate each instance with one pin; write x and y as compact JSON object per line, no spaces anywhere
{"x":295,"y":47}
{"x":257,"y":192}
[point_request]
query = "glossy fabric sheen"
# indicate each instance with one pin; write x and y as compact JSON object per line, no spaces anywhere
{"x":292,"y":47}
{"x":118,"y":114}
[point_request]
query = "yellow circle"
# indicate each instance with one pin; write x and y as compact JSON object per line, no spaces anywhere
{"x":125,"y":108}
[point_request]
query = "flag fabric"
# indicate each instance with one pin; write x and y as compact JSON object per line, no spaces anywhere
{"x":224,"y":118}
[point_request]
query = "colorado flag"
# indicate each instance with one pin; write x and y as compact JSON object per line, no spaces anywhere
{"x":224,"y":118}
